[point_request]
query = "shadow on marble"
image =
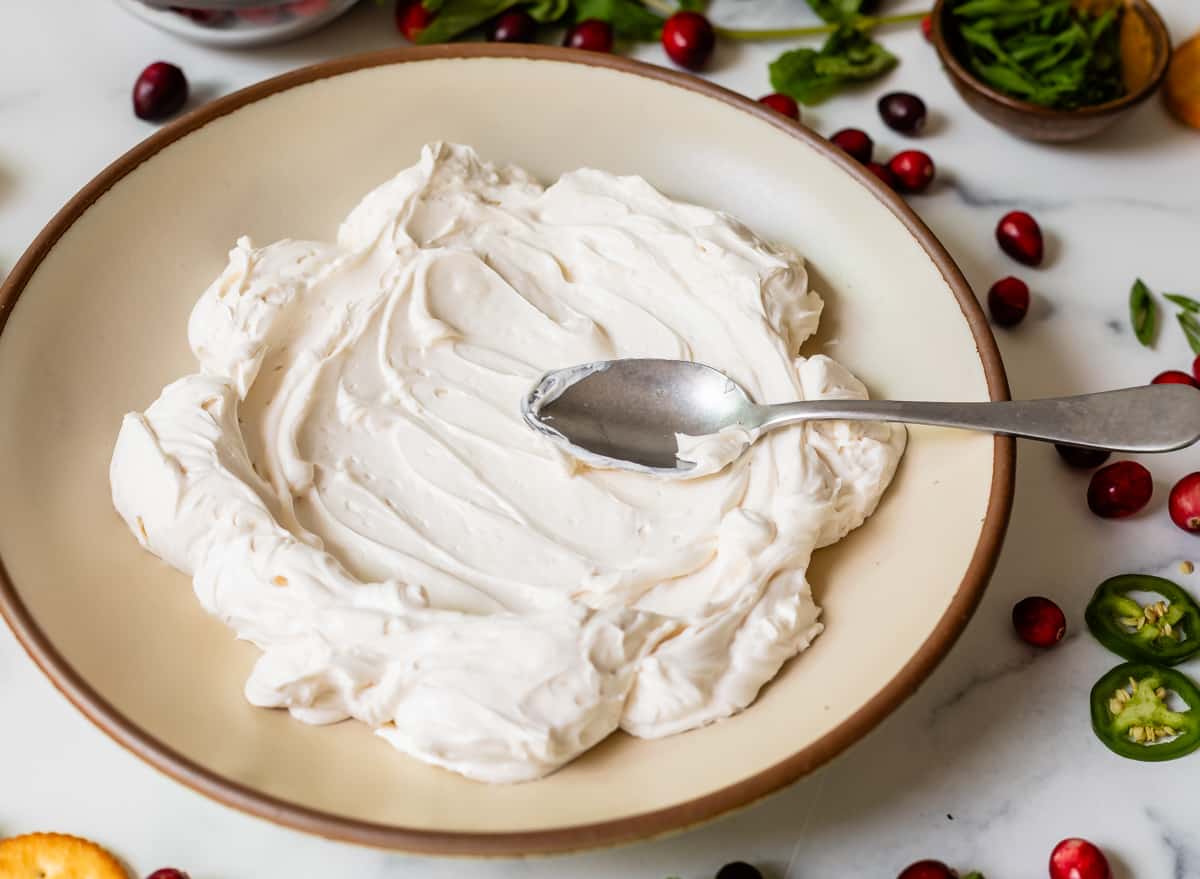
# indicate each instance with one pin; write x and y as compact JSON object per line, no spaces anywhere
{"x":936,"y":123}
{"x":8,"y":184}
{"x":1052,"y":245}
{"x":727,"y":56}
{"x":1144,"y":130}
{"x":200,"y":93}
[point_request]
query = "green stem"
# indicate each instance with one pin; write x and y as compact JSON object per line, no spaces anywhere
{"x":864,"y":23}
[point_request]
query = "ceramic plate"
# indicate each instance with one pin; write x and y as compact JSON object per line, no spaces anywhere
{"x":94,"y":324}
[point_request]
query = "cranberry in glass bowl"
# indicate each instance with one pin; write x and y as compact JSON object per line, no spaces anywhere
{"x":237,"y":23}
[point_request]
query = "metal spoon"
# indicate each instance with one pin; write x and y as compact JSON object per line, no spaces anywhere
{"x":626,"y":413}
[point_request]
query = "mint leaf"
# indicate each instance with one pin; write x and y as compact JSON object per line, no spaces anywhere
{"x":455,"y":17}
{"x":630,"y":20}
{"x":1143,"y":313}
{"x":836,"y":11}
{"x":795,"y":74}
{"x":852,"y":55}
{"x":693,"y":5}
{"x":848,"y":55}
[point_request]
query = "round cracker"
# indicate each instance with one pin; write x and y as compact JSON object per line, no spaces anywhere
{"x":1182,"y":87}
{"x":56,"y":856}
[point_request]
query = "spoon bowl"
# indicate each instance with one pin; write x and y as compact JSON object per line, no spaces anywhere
{"x":628,"y":412}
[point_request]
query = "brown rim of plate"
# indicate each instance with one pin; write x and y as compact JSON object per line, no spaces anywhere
{"x":566,"y":839}
{"x":968,"y":79}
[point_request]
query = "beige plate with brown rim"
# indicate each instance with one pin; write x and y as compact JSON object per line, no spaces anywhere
{"x":104,"y":295}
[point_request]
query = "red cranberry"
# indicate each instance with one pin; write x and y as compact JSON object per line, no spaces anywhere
{"x":884,"y":173}
{"x":913,"y":170}
{"x":689,"y":39}
{"x":1196,"y":367}
{"x":1078,"y":859}
{"x":168,"y":873}
{"x":1120,"y":489}
{"x":857,"y":143}
{"x":513,"y":26}
{"x":262,"y":15}
{"x":927,"y":27}
{"x":1008,"y":301}
{"x":411,"y":18}
{"x":1020,"y":236}
{"x":1081,"y":458}
{"x":1174,"y":377}
{"x":902,"y":112}
{"x":160,"y":91}
{"x":782,"y":104}
{"x":1039,"y":621}
{"x":205,"y":17}
{"x":590,"y":34}
{"x":1184,"y":503}
{"x":927,"y":870}
{"x":738,"y":870}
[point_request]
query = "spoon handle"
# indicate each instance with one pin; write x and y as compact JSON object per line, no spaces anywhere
{"x":1154,"y":418}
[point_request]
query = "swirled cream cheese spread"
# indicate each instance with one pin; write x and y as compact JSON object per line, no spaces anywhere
{"x":348,"y":480}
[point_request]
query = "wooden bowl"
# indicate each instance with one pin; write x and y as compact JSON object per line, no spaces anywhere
{"x":1033,"y":121}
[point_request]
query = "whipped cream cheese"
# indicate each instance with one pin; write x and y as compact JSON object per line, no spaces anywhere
{"x":348,"y":480}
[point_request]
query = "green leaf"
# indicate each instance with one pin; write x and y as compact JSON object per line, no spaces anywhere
{"x":795,"y":74}
{"x":455,"y":17}
{"x":630,"y":20}
{"x":975,"y":875}
{"x":848,"y":55}
{"x":1143,"y":313}
{"x":853,"y":55}
{"x":836,"y":11}
{"x":1191,"y":329}
{"x":1184,"y":302}
{"x":693,"y":5}
{"x":548,"y":10}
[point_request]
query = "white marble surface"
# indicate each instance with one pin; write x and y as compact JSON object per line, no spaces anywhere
{"x":993,"y":761}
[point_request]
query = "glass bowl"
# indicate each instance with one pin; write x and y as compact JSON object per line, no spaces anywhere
{"x":237,"y":23}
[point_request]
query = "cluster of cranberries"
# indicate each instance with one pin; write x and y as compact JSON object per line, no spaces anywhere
{"x":1020,"y":236}
{"x":1071,"y":859}
{"x":909,"y":171}
{"x":687,"y":37}
{"x":1123,"y":488}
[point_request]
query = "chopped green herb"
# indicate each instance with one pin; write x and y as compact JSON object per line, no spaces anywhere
{"x":1143,"y":313}
{"x":1047,"y":52}
{"x":1184,"y":302}
{"x":1191,"y":329}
